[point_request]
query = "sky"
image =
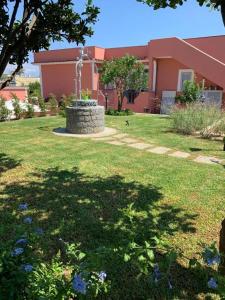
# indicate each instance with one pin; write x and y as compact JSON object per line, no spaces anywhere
{"x":128,"y":23}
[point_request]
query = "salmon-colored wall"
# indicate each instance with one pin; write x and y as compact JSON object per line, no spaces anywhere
{"x":192,"y":57}
{"x":145,"y":100}
{"x":58,"y":79}
{"x":213,"y":45}
{"x":140,"y":103}
{"x":63,"y":55}
{"x":20,"y":92}
{"x":167,"y":75}
{"x":138,"y":51}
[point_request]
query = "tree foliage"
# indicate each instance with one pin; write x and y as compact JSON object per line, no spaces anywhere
{"x":34,"y":89}
{"x":31,"y":25}
{"x":125,"y":73}
{"x":215,"y":4}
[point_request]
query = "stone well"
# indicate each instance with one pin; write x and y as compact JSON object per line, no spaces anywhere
{"x":85,"y":117}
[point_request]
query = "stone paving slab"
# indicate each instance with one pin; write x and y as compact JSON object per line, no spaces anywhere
{"x":208,"y":160}
{"x":109,"y":138}
{"x":180,"y":154}
{"x":159,"y":150}
{"x":140,"y":146}
{"x":120,"y":135}
{"x":117,"y":143}
{"x":130,"y":140}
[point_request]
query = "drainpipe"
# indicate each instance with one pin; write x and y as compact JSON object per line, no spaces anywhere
{"x":92,"y":73}
{"x":154,"y":79}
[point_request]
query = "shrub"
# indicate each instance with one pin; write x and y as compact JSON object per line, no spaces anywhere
{"x":33,"y":100}
{"x":29,"y":110}
{"x":197,"y":117}
{"x":34,"y":89}
{"x":18,"y":111}
{"x":191,"y":92}
{"x":114,"y":112}
{"x":64,"y":102}
{"x":4,"y":111}
{"x":52,"y":103}
{"x":42,"y":105}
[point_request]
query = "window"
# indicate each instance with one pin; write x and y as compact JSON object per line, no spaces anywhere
{"x":131,"y":95}
{"x":184,"y":75}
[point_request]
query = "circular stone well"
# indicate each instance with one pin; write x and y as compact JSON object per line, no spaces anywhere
{"x":85,"y":117}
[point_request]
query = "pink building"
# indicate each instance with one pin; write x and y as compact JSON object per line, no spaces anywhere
{"x":169,"y":62}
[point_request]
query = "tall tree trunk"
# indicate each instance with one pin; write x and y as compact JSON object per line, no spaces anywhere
{"x":120,"y":101}
{"x":222,"y":248}
{"x":223,"y":11}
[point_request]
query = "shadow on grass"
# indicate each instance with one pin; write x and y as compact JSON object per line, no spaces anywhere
{"x":103,"y":213}
{"x":7,"y":163}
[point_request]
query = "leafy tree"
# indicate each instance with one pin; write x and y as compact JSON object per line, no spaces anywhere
{"x":215,"y":4}
{"x":125,"y":73}
{"x":31,"y":25}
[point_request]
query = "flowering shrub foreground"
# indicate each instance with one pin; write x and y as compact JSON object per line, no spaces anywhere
{"x":77,"y":275}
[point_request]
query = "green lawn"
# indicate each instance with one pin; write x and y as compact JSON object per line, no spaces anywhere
{"x":105,"y":196}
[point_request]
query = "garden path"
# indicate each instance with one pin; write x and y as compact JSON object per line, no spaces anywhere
{"x":123,"y":139}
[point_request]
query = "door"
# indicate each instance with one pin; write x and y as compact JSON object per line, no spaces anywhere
{"x":167,"y":102}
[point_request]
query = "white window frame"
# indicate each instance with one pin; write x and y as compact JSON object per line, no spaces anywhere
{"x":179,"y":87}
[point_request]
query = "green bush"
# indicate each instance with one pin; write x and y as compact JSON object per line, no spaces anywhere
{"x":18,"y":111}
{"x":198,"y":117}
{"x":42,"y":105}
{"x":65,"y":101}
{"x":4,"y":111}
{"x":34,"y":89}
{"x":52,"y":103}
{"x":33,"y":100}
{"x":29,"y":111}
{"x":191,"y":92}
{"x":114,"y":112}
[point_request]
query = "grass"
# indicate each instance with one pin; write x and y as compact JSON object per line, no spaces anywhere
{"x":158,"y":129}
{"x":81,"y":191}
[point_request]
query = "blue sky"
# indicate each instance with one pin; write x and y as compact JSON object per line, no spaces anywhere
{"x":128,"y":22}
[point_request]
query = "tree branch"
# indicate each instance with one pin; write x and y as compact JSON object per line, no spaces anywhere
{"x":223,"y":11}
{"x":10,"y":78}
{"x":6,"y":44}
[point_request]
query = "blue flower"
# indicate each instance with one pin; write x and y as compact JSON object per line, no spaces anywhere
{"x":28,"y":268}
{"x":213,"y":260}
{"x":212,"y":284}
{"x":216,"y":259}
{"x":79,"y":284}
{"x":21,"y":241}
{"x":17,"y":251}
{"x":156,"y":273}
{"x":102,"y":276}
{"x":27,"y":220}
{"x":39,"y":231}
{"x":23,"y":206}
